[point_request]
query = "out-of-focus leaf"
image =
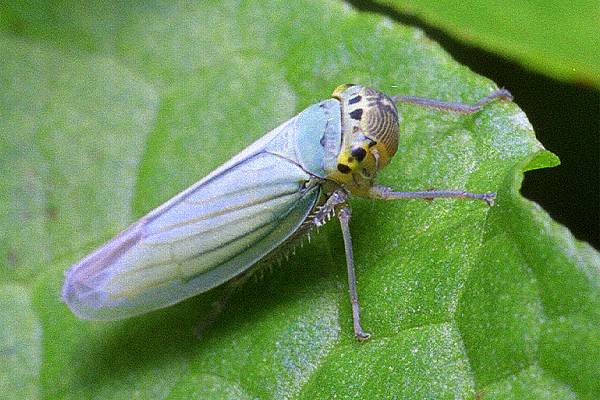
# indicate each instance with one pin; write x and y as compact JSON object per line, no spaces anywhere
{"x":557,"y":38}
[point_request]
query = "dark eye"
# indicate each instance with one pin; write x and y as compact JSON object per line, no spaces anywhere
{"x":344,"y":169}
{"x":359,"y":153}
{"x":356,"y":114}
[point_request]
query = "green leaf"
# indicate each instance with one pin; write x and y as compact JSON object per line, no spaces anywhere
{"x":21,"y":348}
{"x":109,"y":109}
{"x":557,"y":38}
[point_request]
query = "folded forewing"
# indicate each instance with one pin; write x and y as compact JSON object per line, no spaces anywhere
{"x":202,"y":238}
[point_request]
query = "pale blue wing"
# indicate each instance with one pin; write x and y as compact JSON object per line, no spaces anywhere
{"x":201,"y":239}
{"x":214,"y":230}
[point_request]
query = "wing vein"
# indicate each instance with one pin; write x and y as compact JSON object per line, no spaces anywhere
{"x":218,"y":213}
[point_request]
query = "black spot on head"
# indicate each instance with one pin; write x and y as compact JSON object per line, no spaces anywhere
{"x":356,"y":114}
{"x":359,"y":153}
{"x":372,"y":143}
{"x":355,"y":100}
{"x":343,"y":168}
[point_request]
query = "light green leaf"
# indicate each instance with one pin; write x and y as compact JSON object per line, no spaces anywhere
{"x":106,"y":110}
{"x":20,"y":349}
{"x":557,"y":38}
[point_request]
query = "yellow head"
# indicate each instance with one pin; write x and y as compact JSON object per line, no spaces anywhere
{"x":369,"y":136}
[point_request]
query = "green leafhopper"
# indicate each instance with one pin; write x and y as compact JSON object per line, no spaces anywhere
{"x":269,"y":195}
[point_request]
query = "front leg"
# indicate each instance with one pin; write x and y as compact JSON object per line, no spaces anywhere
{"x":452,"y":106}
{"x":344,"y":217}
{"x":386,"y":193}
{"x":338,"y":197}
{"x":337,"y":204}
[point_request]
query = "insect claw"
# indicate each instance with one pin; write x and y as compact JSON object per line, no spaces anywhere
{"x":489,"y":198}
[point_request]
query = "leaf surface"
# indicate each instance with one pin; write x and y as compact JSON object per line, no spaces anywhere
{"x":108,"y":109}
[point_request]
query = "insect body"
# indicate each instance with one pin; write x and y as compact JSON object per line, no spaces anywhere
{"x":292,"y":179}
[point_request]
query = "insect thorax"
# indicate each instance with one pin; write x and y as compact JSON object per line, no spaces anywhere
{"x":369,"y":123}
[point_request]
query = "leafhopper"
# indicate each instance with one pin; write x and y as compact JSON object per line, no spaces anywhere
{"x":263,"y":200}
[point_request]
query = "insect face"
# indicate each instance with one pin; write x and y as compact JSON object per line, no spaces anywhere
{"x":369,"y":136}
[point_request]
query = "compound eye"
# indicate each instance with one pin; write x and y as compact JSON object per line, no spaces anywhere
{"x":343,"y":168}
{"x":359,"y":153}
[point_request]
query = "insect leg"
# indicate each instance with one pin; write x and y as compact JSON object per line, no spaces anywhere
{"x":338,"y":197}
{"x":344,"y":217}
{"x":386,"y":193}
{"x":455,"y":107}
